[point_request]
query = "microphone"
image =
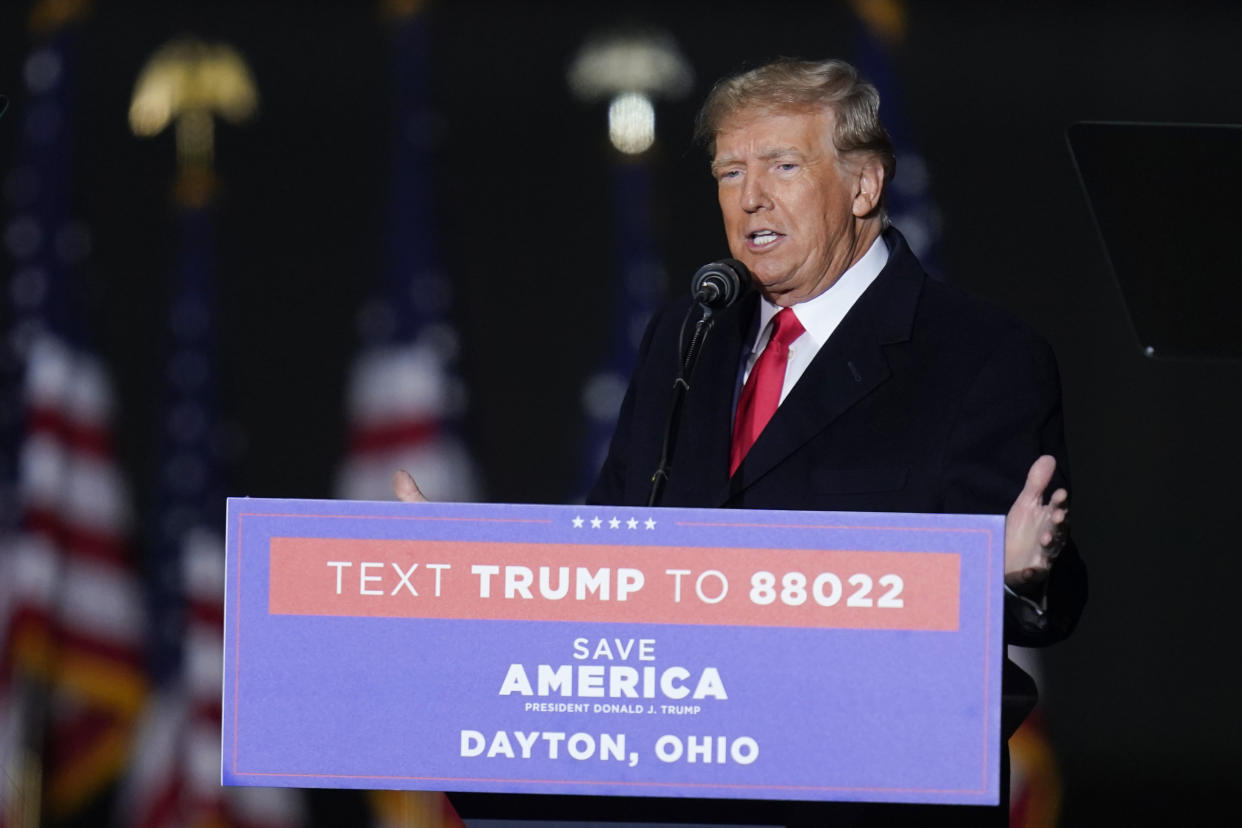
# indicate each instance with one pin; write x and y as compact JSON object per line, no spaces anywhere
{"x":717,"y":285}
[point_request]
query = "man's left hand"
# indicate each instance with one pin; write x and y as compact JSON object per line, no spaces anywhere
{"x":1035,"y":531}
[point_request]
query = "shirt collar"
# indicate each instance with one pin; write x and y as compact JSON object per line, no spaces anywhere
{"x":821,"y":315}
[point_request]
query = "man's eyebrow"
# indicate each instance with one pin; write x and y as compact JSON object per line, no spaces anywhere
{"x":779,"y":152}
{"x":764,"y":155}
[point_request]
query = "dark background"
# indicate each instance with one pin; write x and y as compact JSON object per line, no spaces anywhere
{"x":1141,"y":701}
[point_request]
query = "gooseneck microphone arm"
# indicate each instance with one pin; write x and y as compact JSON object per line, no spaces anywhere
{"x":714,"y":287}
{"x":680,"y":386}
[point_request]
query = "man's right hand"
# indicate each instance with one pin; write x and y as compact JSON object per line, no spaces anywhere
{"x":404,"y":487}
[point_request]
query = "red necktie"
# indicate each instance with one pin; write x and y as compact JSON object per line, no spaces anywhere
{"x":762,"y":392}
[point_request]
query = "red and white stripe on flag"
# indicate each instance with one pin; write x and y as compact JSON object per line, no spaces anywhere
{"x":73,"y":608}
{"x":399,"y":397}
{"x":175,"y":777}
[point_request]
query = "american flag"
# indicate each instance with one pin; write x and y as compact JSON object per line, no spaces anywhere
{"x":908,"y":198}
{"x":1035,"y":777}
{"x":69,"y":603}
{"x":175,"y":774}
{"x":405,"y":399}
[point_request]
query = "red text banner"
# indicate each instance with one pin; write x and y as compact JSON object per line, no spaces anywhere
{"x":490,"y":580}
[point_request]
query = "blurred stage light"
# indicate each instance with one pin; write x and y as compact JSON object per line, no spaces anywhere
{"x":648,"y":62}
{"x":630,"y":70}
{"x":631,"y":123}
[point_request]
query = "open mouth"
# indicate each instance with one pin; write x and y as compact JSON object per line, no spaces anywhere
{"x":763,"y":238}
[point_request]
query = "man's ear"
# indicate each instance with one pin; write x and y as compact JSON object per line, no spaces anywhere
{"x":870,"y":186}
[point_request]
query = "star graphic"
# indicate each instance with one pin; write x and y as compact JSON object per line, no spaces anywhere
{"x":595,"y":522}
{"x":614,"y":523}
{"x":577,"y":523}
{"x":650,"y":523}
{"x":633,"y":524}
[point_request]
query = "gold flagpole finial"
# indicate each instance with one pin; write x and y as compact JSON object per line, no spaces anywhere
{"x":886,"y":18}
{"x":187,"y":82}
{"x":47,"y":16}
{"x":401,"y":9}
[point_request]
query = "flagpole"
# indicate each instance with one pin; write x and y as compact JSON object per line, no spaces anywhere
{"x":186,"y":84}
{"x":630,"y":70}
{"x":27,"y":632}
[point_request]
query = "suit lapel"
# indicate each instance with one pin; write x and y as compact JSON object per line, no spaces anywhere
{"x":849,"y":366}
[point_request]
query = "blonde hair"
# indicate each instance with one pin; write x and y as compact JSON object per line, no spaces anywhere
{"x":789,"y":85}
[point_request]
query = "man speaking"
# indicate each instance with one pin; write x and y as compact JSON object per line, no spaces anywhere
{"x":848,"y":380}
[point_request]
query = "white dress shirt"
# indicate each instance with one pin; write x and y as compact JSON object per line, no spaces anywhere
{"x":819,"y":316}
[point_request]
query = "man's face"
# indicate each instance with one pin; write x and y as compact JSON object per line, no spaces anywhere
{"x":792,"y":211}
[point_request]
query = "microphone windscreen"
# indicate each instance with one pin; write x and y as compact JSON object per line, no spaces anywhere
{"x":717,"y":285}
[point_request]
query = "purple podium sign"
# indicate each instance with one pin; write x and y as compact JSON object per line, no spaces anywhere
{"x":614,"y":651}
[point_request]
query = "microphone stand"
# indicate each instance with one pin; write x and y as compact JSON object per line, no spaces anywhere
{"x":680,"y":386}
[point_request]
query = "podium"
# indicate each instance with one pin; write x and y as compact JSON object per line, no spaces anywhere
{"x":642,"y":663}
